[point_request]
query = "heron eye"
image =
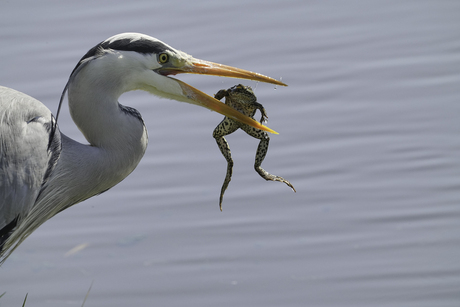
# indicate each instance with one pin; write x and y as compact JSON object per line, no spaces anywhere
{"x":163,"y":58}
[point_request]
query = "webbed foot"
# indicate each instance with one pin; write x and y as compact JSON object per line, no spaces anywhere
{"x":267,"y":176}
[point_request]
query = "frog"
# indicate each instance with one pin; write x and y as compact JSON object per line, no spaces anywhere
{"x":243,"y":99}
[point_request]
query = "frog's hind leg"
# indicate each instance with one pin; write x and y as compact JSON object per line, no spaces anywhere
{"x":261,"y":153}
{"x":226,"y":127}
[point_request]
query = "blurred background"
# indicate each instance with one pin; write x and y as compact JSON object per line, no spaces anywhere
{"x":369,"y":136}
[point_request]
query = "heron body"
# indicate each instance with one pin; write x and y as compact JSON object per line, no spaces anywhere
{"x":42,"y":171}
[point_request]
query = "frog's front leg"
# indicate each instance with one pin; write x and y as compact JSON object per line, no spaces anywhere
{"x":263,"y":117}
{"x":262,"y":150}
{"x":225,"y":127}
{"x":221,"y":94}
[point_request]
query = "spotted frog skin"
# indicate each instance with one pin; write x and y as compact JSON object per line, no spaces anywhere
{"x":242,"y":98}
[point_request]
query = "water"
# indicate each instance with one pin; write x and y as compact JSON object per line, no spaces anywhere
{"x":368,"y":128}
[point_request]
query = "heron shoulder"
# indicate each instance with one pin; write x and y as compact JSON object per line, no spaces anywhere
{"x":29,"y":150}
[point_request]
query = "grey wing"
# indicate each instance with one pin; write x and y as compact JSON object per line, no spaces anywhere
{"x":30,"y":147}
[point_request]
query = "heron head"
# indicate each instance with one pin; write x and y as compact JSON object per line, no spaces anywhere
{"x":149,"y":65}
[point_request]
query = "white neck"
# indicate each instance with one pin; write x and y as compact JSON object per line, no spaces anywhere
{"x":117,"y":136}
{"x":93,"y":103}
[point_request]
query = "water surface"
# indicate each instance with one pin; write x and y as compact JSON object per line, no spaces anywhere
{"x":369,"y":136}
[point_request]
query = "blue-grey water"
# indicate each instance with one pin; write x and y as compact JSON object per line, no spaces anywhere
{"x":369,"y":136}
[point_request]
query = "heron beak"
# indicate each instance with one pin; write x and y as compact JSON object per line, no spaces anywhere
{"x":195,"y":66}
{"x":209,"y":68}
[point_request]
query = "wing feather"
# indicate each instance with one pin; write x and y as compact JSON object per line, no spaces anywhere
{"x":30,"y":146}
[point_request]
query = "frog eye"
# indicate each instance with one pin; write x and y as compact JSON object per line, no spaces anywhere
{"x":163,"y":58}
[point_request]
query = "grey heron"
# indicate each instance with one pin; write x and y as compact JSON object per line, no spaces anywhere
{"x":42,"y":171}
